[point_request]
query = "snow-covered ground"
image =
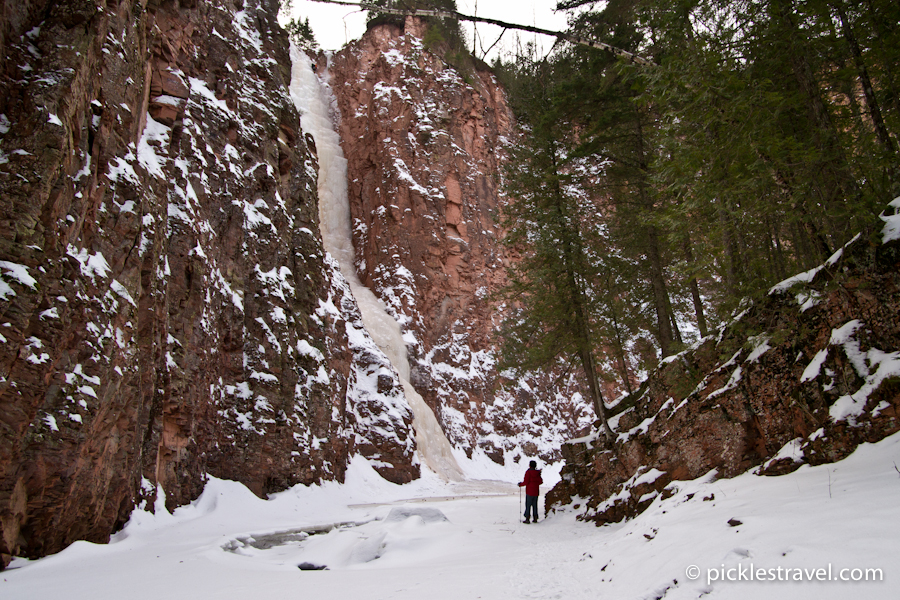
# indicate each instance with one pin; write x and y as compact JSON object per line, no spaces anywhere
{"x":833,"y":520}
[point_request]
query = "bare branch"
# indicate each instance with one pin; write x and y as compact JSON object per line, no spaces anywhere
{"x":449,"y":14}
{"x":485,"y":52}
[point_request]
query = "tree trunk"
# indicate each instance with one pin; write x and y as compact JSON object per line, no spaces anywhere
{"x":660,"y":294}
{"x":578,"y":301}
{"x":590,"y":373}
{"x":730,"y":249}
{"x":868,"y":91}
{"x":888,"y":81}
{"x":654,"y":252}
{"x":676,"y":331}
{"x":835,"y":181}
{"x":620,"y":346}
{"x":695,"y":290}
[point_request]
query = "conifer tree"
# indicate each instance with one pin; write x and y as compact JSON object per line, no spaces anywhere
{"x":554,"y":227}
{"x":602,"y":96}
{"x":298,"y":29}
{"x":772,"y":155}
{"x":761,"y":138}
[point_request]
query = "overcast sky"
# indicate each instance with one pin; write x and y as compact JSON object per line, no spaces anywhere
{"x":334,"y":25}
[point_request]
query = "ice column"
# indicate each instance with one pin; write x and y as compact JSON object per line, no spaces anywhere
{"x":312,"y":99}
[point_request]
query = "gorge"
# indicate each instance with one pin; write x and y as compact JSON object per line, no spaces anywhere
{"x":221,"y":261}
{"x":169,"y":310}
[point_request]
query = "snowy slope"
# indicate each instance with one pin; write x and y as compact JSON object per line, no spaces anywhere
{"x":840,"y":516}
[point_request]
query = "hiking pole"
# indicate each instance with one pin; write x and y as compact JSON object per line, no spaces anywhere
{"x":520,"y":500}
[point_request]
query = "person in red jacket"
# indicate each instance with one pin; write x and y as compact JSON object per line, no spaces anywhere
{"x":532,"y":482}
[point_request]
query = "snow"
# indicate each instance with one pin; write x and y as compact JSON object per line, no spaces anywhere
{"x":891,"y":229}
{"x":849,"y":406}
{"x":122,"y":167}
{"x":806,"y":297}
{"x":733,"y":381}
{"x":380,"y":540}
{"x":151,"y":148}
{"x":92,"y":265}
{"x":254,"y":217}
{"x":815,"y":365}
{"x":761,"y":345}
{"x":641,"y":428}
{"x":50,"y":420}
{"x":199,"y":91}
{"x":50,"y":313}
{"x":314,"y":101}
{"x":247,"y":31}
{"x":168,"y":100}
{"x":122,"y":292}
{"x":792,"y":450}
{"x":394,"y":57}
{"x":873,"y":367}
{"x":16,"y":272}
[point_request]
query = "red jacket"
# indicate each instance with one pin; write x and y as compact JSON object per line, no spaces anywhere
{"x":532,"y":481}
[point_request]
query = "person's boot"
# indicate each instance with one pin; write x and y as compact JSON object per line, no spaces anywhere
{"x":526,"y":521}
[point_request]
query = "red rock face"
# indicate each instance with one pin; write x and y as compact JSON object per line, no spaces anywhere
{"x":805,"y":371}
{"x":424,"y":145}
{"x":166,"y":309}
{"x":167,"y":312}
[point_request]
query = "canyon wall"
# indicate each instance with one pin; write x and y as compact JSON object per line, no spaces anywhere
{"x":167,"y":312}
{"x":802,"y":377}
{"x":425,"y":143}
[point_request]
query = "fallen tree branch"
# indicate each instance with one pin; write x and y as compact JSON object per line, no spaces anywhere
{"x":449,"y":14}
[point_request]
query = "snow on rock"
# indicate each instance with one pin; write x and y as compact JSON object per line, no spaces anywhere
{"x":891,"y":231}
{"x":803,"y":384}
{"x":423,"y":145}
{"x":162,"y":295}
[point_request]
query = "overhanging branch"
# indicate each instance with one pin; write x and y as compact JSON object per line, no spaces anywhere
{"x":450,"y":14}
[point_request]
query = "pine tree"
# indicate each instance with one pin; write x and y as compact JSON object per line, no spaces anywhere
{"x":603,"y":97}
{"x":554,"y":226}
{"x":760,"y":140}
{"x":769,"y":166}
{"x":298,"y":29}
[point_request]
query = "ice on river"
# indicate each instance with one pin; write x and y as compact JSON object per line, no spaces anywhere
{"x":377,"y":541}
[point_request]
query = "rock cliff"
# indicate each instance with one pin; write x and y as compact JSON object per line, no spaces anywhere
{"x":424,"y":143}
{"x":168,"y":313}
{"x":802,"y":377}
{"x":166,"y":309}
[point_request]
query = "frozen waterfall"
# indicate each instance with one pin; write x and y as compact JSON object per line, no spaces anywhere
{"x":312,"y":100}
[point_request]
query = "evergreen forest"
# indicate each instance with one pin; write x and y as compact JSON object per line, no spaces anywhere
{"x":652,"y":201}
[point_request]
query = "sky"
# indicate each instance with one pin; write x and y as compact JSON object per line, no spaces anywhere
{"x":334,"y":25}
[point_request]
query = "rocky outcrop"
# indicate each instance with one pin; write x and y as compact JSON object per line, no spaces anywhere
{"x":802,"y":377}
{"x":166,"y":309}
{"x":424,"y":143}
